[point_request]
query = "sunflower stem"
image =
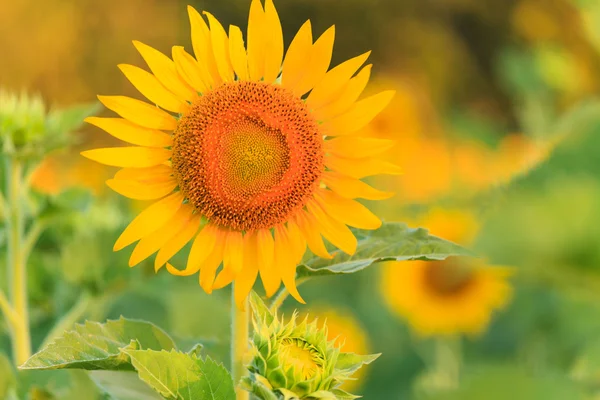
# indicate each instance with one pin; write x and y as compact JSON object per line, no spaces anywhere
{"x":15,"y":262}
{"x":11,"y":316}
{"x":240,"y":319}
{"x":31,"y":238}
{"x":448,"y":361}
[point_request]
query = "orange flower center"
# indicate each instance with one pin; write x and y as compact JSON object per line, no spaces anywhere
{"x":449,"y":277}
{"x":248,"y":155}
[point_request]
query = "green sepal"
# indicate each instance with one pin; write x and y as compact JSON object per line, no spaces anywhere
{"x":352,"y":362}
{"x":258,"y":387}
{"x":343,"y":395}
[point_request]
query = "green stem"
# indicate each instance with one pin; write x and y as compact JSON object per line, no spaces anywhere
{"x":283,"y":294}
{"x":239,"y":345}
{"x":15,"y":261}
{"x":2,"y":206}
{"x":11,"y":316}
{"x":31,"y":238}
{"x":448,"y":360}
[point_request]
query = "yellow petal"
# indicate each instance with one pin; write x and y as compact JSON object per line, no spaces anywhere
{"x":310,"y":230}
{"x":243,"y":284}
{"x":269,"y":274}
{"x":237,"y":53}
{"x":359,"y":115}
{"x":297,"y":240}
{"x":191,"y":71}
{"x":335,"y":232}
{"x":317,"y":63}
{"x":142,"y":191}
{"x":150,"y":244}
{"x":294,"y":65}
{"x":158,"y":173}
{"x":256,"y":41}
{"x":202,"y":45}
{"x":209,"y":260}
{"x":224,"y":278}
{"x":139,"y":112}
{"x":360,"y":168}
{"x":245,"y":280}
{"x":165,"y":71}
{"x":357,"y":147}
{"x":220,"y":46}
{"x":210,"y":265}
{"x":347,"y":211}
{"x":201,"y":248}
{"x":233,"y":258}
{"x":351,"y":188}
{"x":274,"y":42}
{"x":131,"y":133}
{"x":152,"y":89}
{"x":334,"y":82}
{"x":150,"y":220}
{"x":128,"y":156}
{"x":285,"y":260}
{"x":346,"y":99}
{"x":177,"y":242}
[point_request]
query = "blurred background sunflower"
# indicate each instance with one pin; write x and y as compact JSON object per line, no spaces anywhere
{"x":497,"y":120}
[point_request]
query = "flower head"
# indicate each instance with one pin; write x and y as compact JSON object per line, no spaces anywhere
{"x":296,"y":359}
{"x":250,"y":154}
{"x":457,"y":295}
{"x":343,"y":327}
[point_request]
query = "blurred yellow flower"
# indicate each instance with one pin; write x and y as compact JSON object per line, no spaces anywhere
{"x":56,"y":174}
{"x":234,"y":156}
{"x":47,"y":178}
{"x":454,"y":224}
{"x":440,"y":168}
{"x":457,"y":295}
{"x":536,"y":20}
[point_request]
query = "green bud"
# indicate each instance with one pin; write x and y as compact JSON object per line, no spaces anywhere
{"x":294,"y":360}
{"x":28,"y":129}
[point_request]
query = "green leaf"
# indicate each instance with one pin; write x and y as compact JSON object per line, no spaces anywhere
{"x":180,"y":376}
{"x":392,"y":242}
{"x":67,"y":120}
{"x":7,"y":377}
{"x":74,"y":199}
{"x":353,"y":362}
{"x":98,"y":346}
{"x":260,"y":309}
{"x":123,"y":385}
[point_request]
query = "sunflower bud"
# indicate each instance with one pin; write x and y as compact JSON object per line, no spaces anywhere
{"x":28,"y":129}
{"x":294,"y":360}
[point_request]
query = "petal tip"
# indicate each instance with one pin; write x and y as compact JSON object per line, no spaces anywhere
{"x":86,"y":154}
{"x":119,"y":245}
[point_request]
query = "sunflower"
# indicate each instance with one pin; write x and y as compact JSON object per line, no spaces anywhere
{"x":457,"y":295}
{"x":250,"y":155}
{"x":346,"y":331}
